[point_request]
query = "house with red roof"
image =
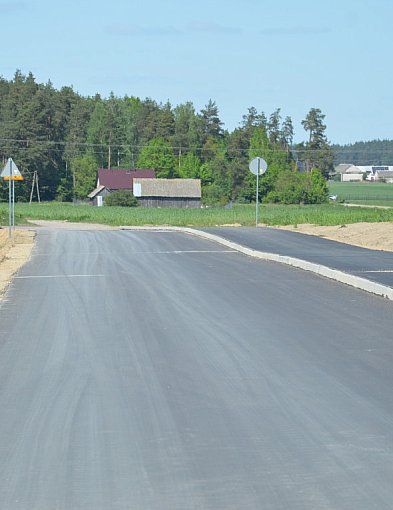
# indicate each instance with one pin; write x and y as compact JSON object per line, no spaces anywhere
{"x":109,"y":180}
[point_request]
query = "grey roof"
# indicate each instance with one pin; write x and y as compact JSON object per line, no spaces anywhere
{"x":384,"y":174}
{"x":174,"y":188}
{"x":95,"y":192}
{"x":342,"y":168}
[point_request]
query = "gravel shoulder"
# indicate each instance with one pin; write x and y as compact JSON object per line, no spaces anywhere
{"x":13,"y":254}
{"x":376,"y":236}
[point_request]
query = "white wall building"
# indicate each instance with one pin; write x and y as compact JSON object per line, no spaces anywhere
{"x":355,"y":173}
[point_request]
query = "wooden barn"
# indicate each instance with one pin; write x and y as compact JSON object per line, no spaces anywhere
{"x":111,"y":180}
{"x":180,"y":193}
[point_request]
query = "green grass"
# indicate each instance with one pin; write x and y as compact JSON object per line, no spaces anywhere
{"x":327,"y":214}
{"x":385,"y":203}
{"x":373,"y":193}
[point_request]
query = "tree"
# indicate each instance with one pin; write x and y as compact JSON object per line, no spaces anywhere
{"x":274,"y":126}
{"x":186,"y":136}
{"x":287,"y":133}
{"x":237,"y":145}
{"x":60,"y":134}
{"x":158,"y":154}
{"x":106,"y":133}
{"x":314,"y":124}
{"x":78,"y":121}
{"x":190,"y":166}
{"x":210,"y":121}
{"x":317,"y":151}
{"x":166,"y":122}
{"x":133,"y":126}
{"x":277,"y":159}
{"x":84,"y":172}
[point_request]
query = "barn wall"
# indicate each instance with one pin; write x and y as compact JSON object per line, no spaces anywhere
{"x":102,"y":193}
{"x":180,"y":203}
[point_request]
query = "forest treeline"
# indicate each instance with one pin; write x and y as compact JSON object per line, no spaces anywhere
{"x":65,"y":137}
{"x":374,"y":152}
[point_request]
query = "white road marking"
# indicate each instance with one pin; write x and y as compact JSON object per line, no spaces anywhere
{"x":377,"y":271}
{"x":185,"y":251}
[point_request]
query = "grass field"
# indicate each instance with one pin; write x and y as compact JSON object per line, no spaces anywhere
{"x":327,"y":214}
{"x":372,"y":193}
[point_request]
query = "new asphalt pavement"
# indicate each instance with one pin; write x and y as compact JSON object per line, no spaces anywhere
{"x":375,"y":265}
{"x":160,"y":371}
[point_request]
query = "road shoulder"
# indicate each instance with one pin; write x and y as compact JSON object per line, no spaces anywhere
{"x":13,"y":254}
{"x":375,"y":236}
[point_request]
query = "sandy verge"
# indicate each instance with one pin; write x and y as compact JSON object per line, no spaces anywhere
{"x":68,"y":225}
{"x":13,"y":254}
{"x":376,"y":236}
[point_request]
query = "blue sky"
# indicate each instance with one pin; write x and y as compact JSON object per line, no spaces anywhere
{"x":333,"y":55}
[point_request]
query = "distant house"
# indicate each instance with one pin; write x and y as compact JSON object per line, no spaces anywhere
{"x":384,"y":176}
{"x":380,"y":173}
{"x":112,"y":180}
{"x":351,"y":173}
{"x":181,"y":193}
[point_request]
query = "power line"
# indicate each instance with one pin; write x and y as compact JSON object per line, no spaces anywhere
{"x":28,"y":143}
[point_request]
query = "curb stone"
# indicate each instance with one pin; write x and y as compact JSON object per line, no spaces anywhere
{"x":325,"y":271}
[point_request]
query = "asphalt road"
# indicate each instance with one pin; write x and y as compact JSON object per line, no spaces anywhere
{"x":157,"y":371}
{"x":374,"y":265}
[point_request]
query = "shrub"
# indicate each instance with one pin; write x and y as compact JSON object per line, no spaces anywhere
{"x":299,"y":188}
{"x":213,"y":194}
{"x":121,"y":198}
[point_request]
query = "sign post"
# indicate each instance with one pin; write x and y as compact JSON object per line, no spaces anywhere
{"x":11,"y":173}
{"x":257,"y":166}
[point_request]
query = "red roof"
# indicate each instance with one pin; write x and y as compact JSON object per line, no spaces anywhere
{"x":121,"y":178}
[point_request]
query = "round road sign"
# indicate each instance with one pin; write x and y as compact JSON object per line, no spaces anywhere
{"x":258,"y":164}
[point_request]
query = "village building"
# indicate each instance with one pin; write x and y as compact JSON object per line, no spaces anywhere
{"x":383,"y":173}
{"x":357,"y":173}
{"x":109,"y":180}
{"x":349,"y":173}
{"x":179,"y":193}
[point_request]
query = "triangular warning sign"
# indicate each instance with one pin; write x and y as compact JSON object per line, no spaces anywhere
{"x":11,"y":171}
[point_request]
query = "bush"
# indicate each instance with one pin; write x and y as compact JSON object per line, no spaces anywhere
{"x":213,"y":194}
{"x":121,"y":198}
{"x":299,"y":188}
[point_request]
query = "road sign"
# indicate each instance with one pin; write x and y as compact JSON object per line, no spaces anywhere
{"x":11,"y":172}
{"x":258,"y":166}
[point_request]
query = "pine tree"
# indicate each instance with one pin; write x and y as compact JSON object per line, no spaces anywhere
{"x":210,"y":121}
{"x":316,"y":153}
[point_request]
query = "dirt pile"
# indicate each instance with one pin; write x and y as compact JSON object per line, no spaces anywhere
{"x":376,"y":236}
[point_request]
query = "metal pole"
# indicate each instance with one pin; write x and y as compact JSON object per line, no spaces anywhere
{"x":32,"y":189}
{"x":13,"y":204}
{"x":257,"y":196}
{"x":10,"y":204}
{"x":38,"y":187}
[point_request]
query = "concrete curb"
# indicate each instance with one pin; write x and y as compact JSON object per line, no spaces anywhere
{"x":327,"y":272}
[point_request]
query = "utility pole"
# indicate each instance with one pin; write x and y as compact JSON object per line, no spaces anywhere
{"x":35,"y":181}
{"x":109,"y":150}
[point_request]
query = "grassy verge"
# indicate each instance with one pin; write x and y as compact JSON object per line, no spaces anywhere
{"x":372,"y":193}
{"x":385,"y":203}
{"x":329,"y":214}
